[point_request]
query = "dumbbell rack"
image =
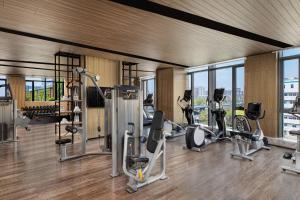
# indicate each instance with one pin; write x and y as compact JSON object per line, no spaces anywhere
{"x":65,"y":63}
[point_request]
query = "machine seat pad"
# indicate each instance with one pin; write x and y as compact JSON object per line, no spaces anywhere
{"x":137,"y":159}
{"x":244,"y":134}
{"x":295,"y":132}
{"x":63,"y":141}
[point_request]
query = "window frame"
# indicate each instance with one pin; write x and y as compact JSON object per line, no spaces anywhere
{"x":281,"y":87}
{"x":212,"y":85}
{"x":5,"y":82}
{"x":145,"y":83}
{"x":45,"y":81}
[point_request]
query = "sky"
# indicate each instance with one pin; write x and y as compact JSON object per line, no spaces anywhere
{"x":291,"y":68}
{"x":151,"y":86}
{"x":223,"y":78}
{"x":2,"y":89}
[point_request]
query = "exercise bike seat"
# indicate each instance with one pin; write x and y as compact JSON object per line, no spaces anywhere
{"x":136,"y":159}
{"x":295,"y":132}
{"x":244,"y":134}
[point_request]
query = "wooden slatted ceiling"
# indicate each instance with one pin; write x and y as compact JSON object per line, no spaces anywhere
{"x":109,"y":25}
{"x":22,"y":48}
{"x":275,"y":19}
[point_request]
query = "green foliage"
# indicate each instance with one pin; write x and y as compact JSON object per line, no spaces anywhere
{"x":51,"y":99}
{"x":28,"y":96}
{"x":200,"y":101}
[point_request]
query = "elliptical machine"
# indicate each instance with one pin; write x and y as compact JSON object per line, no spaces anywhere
{"x":186,"y":109}
{"x":170,"y":127}
{"x":244,"y":141}
{"x":174,"y":128}
{"x":197,"y":136}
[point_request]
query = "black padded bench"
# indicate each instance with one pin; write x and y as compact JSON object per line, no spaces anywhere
{"x":63,"y":147}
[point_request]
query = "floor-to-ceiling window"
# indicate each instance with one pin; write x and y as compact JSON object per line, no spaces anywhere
{"x":230,"y":76}
{"x":189,"y":82}
{"x":224,"y":80}
{"x":239,"y":90}
{"x":200,"y":95}
{"x":2,"y":89}
{"x":289,"y":90}
{"x":149,"y":87}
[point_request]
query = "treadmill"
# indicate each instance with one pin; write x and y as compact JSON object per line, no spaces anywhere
{"x":148,"y":110}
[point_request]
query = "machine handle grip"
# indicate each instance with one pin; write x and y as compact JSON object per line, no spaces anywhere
{"x":179,"y":100}
{"x":131,"y":128}
{"x":263,"y":115}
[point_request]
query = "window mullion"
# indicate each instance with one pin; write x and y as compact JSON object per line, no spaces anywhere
{"x":45,"y":91}
{"x":233,"y":105}
{"x":32,"y":94}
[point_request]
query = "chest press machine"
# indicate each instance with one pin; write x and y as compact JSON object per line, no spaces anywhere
{"x":139,"y":168}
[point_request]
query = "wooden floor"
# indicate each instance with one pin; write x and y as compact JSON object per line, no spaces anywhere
{"x":30,"y":170}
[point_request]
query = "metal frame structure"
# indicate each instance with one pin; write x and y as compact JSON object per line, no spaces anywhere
{"x":124,"y":111}
{"x":83,"y":130}
{"x":70,"y":65}
{"x":130,"y":68}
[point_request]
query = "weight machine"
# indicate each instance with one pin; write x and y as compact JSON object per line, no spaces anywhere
{"x":10,"y":118}
{"x":81,"y":130}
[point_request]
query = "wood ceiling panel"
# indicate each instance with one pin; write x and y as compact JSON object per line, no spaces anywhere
{"x":112,"y":26}
{"x":275,"y":19}
{"x":13,"y":47}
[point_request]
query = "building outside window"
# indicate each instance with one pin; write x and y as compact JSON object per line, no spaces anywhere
{"x":200,"y":95}
{"x":228,"y":75}
{"x":289,"y":68}
{"x":149,"y":87}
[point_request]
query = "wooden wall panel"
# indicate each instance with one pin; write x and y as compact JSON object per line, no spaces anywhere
{"x":17,"y":84}
{"x":170,"y":83}
{"x":164,"y":91}
{"x":109,"y":76}
{"x":179,"y":87}
{"x":261,"y":85}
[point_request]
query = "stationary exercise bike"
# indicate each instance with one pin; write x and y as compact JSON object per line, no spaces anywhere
{"x":296,"y":157}
{"x":244,"y":141}
{"x":197,"y":136}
